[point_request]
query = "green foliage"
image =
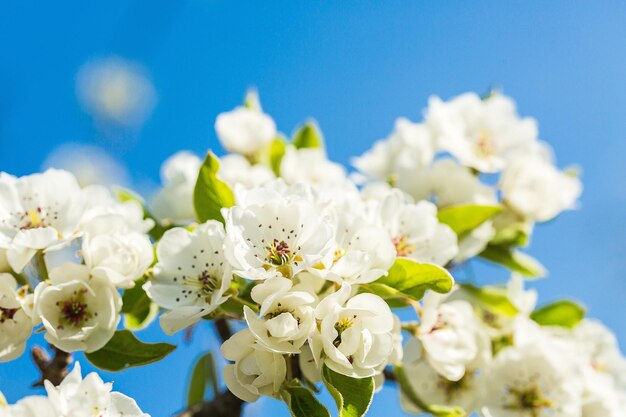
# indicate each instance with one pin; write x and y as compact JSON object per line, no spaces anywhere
{"x":463,"y":219}
{"x":211,"y":194}
{"x":276,"y":152}
{"x":252,"y":101}
{"x":560,"y":313}
{"x":124,"y":195}
{"x":435,"y":410}
{"x":204,"y":372}
{"x":514,"y":260}
{"x":124,"y":350}
{"x":493,"y":299}
{"x":302,"y":402}
{"x":353,"y":396}
{"x":408,"y":279}
{"x":139,"y":311}
{"x":308,"y":136}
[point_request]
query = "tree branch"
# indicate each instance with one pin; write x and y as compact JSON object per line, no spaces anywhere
{"x":52,"y":369}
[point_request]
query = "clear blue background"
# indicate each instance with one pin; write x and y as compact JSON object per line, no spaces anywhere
{"x":355,"y":66}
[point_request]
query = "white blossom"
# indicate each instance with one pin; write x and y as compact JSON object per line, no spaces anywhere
{"x":310,"y":166}
{"x":278,"y":236}
{"x":191,"y":278}
{"x":38,"y":212}
{"x":245,"y":131}
{"x":537,"y":190}
{"x":255,"y":371}
{"x":355,"y":335}
{"x":236,"y":169}
{"x":78,"y":312}
{"x":174,"y":202}
{"x":286,"y":317}
{"x":15,"y":323}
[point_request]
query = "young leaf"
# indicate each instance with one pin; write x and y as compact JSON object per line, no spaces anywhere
{"x":465,"y":218}
{"x":124,"y":195}
{"x":302,"y":402}
{"x":493,"y":299}
{"x":435,"y":410}
{"x":276,"y":153}
{"x":410,"y":279}
{"x":138,"y":309}
{"x":353,"y":396}
{"x":124,"y":350}
{"x":561,"y":313}
{"x":251,"y":100}
{"x":514,"y":260}
{"x":211,"y":194}
{"x":203,"y":372}
{"x":308,"y":136}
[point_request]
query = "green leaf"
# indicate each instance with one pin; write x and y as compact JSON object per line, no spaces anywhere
{"x":435,"y":410}
{"x":124,"y":195}
{"x":139,"y":311}
{"x":491,"y":298}
{"x":211,"y":194}
{"x":302,"y":402}
{"x":410,"y":279}
{"x":353,"y":396}
{"x":276,"y":152}
{"x":203,"y":371}
{"x":308,"y":136}
{"x":514,"y":260}
{"x":560,"y":313}
{"x":124,"y":350}
{"x":463,"y":219}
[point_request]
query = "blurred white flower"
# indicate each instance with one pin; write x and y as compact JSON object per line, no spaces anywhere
{"x":237,"y":170}
{"x":245,"y":131}
{"x":116,"y":90}
{"x":310,"y":166}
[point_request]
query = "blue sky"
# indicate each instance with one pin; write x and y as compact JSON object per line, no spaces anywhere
{"x":355,"y":67}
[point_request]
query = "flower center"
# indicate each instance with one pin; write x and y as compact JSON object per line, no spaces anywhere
{"x":278,"y":253}
{"x":7,"y":314}
{"x":484,"y":145}
{"x":74,"y":311}
{"x":208,"y":282}
{"x":453,"y":388}
{"x":529,"y":398}
{"x":32,"y":219}
{"x":402,"y":245}
{"x":341,"y":326}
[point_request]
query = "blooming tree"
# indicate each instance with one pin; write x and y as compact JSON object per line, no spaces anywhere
{"x":313,"y":267}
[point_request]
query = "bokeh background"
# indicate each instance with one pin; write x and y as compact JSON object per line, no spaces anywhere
{"x":169,"y":67}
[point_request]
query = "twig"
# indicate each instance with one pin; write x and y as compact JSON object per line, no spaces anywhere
{"x":52,"y":369}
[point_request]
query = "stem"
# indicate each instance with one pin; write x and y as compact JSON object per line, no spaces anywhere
{"x":40,"y":260}
{"x":52,"y":369}
{"x":243,"y":302}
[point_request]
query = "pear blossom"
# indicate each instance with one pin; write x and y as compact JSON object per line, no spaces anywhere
{"x":532,"y":381}
{"x":38,"y":212}
{"x":401,"y":157}
{"x":354,"y":335}
{"x":245,"y":131}
{"x":279,"y":236}
{"x":78,"y":312}
{"x":481,"y":134}
{"x":451,"y":336}
{"x":235,"y":169}
{"x":415,"y":230}
{"x":534,"y":188}
{"x":453,"y":184}
{"x":114,"y":252}
{"x":191,"y":278}
{"x":101,"y":202}
{"x":255,"y":371}
{"x":33,"y":406}
{"x":15,"y":323}
{"x":174,"y":202}
{"x":286,"y":317}
{"x":310,"y":166}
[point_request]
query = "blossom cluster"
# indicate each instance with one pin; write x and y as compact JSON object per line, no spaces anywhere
{"x":74,"y":396}
{"x":316,"y":264}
